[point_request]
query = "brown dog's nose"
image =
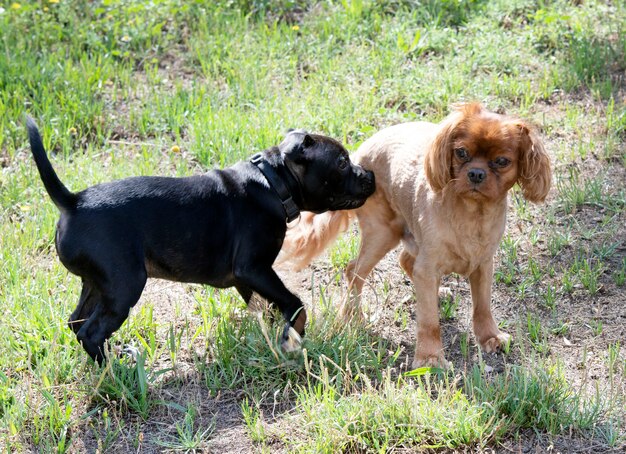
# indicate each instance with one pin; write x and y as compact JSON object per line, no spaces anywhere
{"x":476,"y":176}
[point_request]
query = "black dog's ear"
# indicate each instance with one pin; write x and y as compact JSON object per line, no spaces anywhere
{"x":308,"y":141}
{"x":295,"y":144}
{"x":297,"y":131}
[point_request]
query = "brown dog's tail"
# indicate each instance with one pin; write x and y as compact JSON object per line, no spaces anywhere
{"x":311,"y":236}
{"x":60,"y":195}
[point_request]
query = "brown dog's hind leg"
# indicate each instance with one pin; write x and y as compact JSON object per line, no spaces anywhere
{"x":378,"y":237}
{"x":406,"y":262}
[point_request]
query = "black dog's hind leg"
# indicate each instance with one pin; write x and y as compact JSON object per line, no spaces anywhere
{"x":121,"y":292}
{"x":89,"y":299}
{"x":267,"y":284}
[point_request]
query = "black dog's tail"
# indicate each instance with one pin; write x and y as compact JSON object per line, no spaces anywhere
{"x":60,"y":195}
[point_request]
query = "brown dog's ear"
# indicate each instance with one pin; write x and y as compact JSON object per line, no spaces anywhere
{"x":438,"y":159}
{"x":535,"y":173}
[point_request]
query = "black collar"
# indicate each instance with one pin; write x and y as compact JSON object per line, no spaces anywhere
{"x":276,"y":182}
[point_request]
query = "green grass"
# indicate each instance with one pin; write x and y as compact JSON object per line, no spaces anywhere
{"x":436,"y":412}
{"x":395,"y":414}
{"x":244,"y":352}
{"x":124,"y":88}
{"x":188,"y":438}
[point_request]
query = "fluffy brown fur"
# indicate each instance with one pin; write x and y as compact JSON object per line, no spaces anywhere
{"x":441,"y":190}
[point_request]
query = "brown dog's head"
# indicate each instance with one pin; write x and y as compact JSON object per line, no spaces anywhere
{"x":483,"y":154}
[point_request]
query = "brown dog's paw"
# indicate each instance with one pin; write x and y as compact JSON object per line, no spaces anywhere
{"x":351,"y":313}
{"x":431,"y":361}
{"x":444,"y":292}
{"x":496,"y":343}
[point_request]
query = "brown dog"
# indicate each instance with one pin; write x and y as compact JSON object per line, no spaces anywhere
{"x":441,"y":189}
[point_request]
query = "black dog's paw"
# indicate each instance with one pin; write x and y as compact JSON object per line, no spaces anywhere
{"x":292,"y":341}
{"x":126,"y":350}
{"x":131,"y":351}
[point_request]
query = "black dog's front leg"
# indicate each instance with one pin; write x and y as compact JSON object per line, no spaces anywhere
{"x":245,"y":293}
{"x":266,"y":283}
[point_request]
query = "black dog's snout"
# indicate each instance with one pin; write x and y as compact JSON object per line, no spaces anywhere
{"x":369,"y":183}
{"x":476,"y":176}
{"x":366,"y":179}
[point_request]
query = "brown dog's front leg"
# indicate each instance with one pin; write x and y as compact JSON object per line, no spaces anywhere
{"x":428,"y":348}
{"x":489,"y":337}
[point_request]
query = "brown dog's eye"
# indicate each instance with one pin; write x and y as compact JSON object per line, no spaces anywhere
{"x":461,"y":153}
{"x":500,"y":162}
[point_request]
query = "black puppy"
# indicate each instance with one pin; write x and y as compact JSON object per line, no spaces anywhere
{"x":224,"y":228}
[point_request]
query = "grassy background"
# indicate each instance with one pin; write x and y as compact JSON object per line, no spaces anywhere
{"x":125,"y":88}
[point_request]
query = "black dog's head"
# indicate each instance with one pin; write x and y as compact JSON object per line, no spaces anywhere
{"x":327,"y":179}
